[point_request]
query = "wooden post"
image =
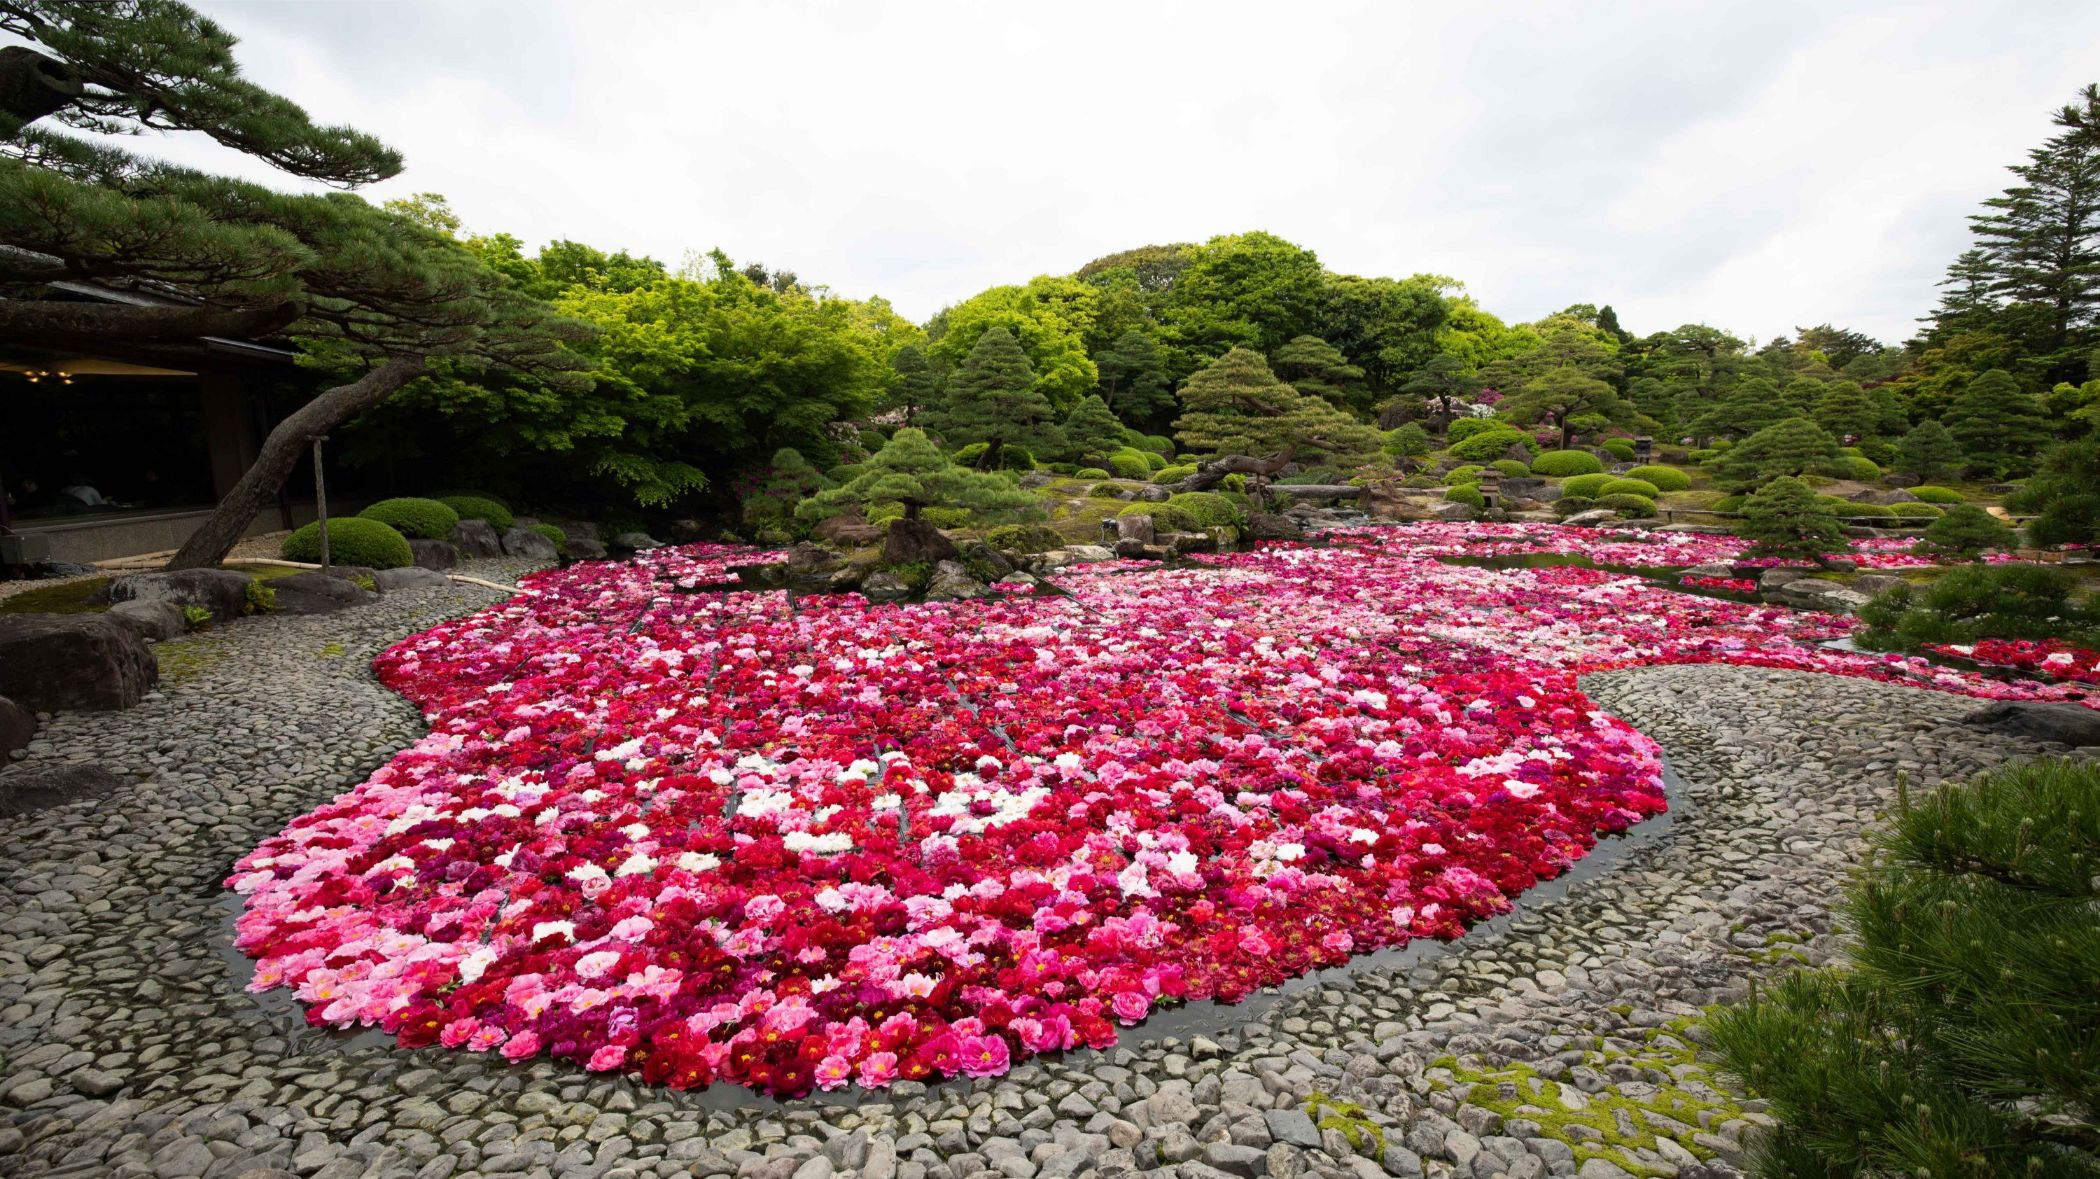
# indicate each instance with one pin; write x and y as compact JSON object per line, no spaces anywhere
{"x":321,"y":499}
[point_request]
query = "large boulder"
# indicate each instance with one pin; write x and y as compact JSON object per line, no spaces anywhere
{"x":17,"y":726}
{"x":412,"y":578}
{"x":24,"y":789}
{"x":586,"y":548}
{"x":1271,"y":526}
{"x":911,"y":541}
{"x":1134,"y":528}
{"x":224,"y":592}
{"x":158,"y":621}
{"x":54,"y":661}
{"x":1814,"y":593}
{"x":316,"y":592}
{"x":951,"y":582}
{"x":848,"y":532}
{"x":478,"y":538}
{"x":524,"y":542}
{"x":634,"y":542}
{"x":2066,"y":724}
{"x":434,"y":554}
{"x":883,"y":586}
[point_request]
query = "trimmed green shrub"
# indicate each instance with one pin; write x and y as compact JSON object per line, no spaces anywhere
{"x":1129,"y":463}
{"x":1090,"y":473}
{"x":1786,"y":520}
{"x":1421,"y":481}
{"x":352,"y":540}
{"x":1588,"y":486}
{"x":1491,"y":444}
{"x":1962,"y":1032}
{"x":1980,"y":602}
{"x":1967,"y":531}
{"x":1105,"y":491}
{"x":1558,"y":463}
{"x":1627,"y":504}
{"x":452,"y":493}
{"x":1024,"y":538}
{"x":1703,"y":455}
{"x":1857,"y":467}
{"x":1510,"y":468}
{"x":1937,"y":495}
{"x":941,"y":517}
{"x":1664,"y":478}
{"x":1619,"y":448}
{"x":1463,"y":428}
{"x":1011,"y":457}
{"x":1207,"y":508}
{"x":480,"y":507}
{"x":1064,"y":468}
{"x":1569,"y":505}
{"x":1408,"y":440}
{"x":1467,"y":494}
{"x":1730,"y":503}
{"x":1466,"y":473}
{"x":1158,"y":444}
{"x":1919,"y":511}
{"x":1154,"y":459}
{"x":424,"y":519}
{"x":1848,"y":510}
{"x":1174,"y":474}
{"x":1623,"y":486}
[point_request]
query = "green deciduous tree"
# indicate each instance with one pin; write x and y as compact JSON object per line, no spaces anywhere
{"x":1237,"y":406}
{"x":1999,"y":425}
{"x":911,"y":471}
{"x":992,"y":398}
{"x":1928,"y":453}
{"x":1795,"y":446}
{"x":1785,"y":519}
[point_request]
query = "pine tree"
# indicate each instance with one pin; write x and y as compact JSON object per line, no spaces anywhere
{"x":2064,"y":495}
{"x":1966,"y":530}
{"x":1795,"y":446}
{"x":911,"y":471}
{"x":1998,"y":425}
{"x":1443,"y":383}
{"x":1963,"y":1037}
{"x":1237,"y":406}
{"x":1134,"y":380}
{"x":1748,"y":406}
{"x":1785,"y":519}
{"x":1845,"y":410}
{"x":786,"y":482}
{"x":915,"y":386}
{"x":1091,"y":431}
{"x":992,"y":399}
{"x":1317,"y":368}
{"x":2042,"y":236}
{"x":1928,"y":453}
{"x":374,"y":297}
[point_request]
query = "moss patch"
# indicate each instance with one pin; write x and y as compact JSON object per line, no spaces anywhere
{"x":182,"y":660}
{"x":1677,"y":1096}
{"x":67,"y":597}
{"x":1347,"y":1118}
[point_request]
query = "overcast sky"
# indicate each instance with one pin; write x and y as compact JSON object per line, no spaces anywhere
{"x":1754,"y":166}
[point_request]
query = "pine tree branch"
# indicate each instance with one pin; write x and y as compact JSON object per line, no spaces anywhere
{"x":44,"y":321}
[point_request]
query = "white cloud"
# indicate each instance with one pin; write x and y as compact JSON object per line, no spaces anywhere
{"x":1755,"y":166}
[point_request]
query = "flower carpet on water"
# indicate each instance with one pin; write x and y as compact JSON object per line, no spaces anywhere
{"x":790,"y":843}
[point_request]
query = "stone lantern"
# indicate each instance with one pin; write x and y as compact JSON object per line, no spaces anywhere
{"x":1491,"y":489}
{"x":1643,"y":448}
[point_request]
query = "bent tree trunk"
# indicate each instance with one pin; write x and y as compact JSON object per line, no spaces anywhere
{"x":280,"y":453}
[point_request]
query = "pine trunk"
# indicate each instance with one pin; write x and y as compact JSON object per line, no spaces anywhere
{"x":280,"y":453}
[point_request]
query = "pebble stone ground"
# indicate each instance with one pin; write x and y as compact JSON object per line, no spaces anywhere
{"x":1544,"y":1044}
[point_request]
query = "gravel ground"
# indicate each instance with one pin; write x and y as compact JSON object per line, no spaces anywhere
{"x":1553,"y":1041}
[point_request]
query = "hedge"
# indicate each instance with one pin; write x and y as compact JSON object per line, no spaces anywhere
{"x":1090,"y":473}
{"x":352,"y":540}
{"x":1628,"y":505}
{"x":424,"y":519}
{"x":1937,"y":495}
{"x":1558,"y":463}
{"x":1467,"y":494}
{"x":1510,"y":468}
{"x":1174,"y":474}
{"x":1623,"y":486}
{"x":1130,"y":463}
{"x":1921,"y":511}
{"x":1588,"y":486}
{"x":1491,"y":444}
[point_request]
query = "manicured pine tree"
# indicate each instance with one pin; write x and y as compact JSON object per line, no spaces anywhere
{"x":992,"y":399}
{"x":1092,"y":430}
{"x":2064,"y":495}
{"x":1967,"y":531}
{"x":1795,"y":446}
{"x":1408,"y":440}
{"x":1845,"y":410}
{"x":1928,"y":453}
{"x":1237,"y":406}
{"x":1749,"y":405}
{"x":1443,"y":383}
{"x":1317,"y":368}
{"x":910,"y":470}
{"x":1134,"y":379}
{"x":786,"y":482}
{"x":1963,"y":1037}
{"x":1999,"y":425}
{"x":1785,"y":520}
{"x":915,"y":386}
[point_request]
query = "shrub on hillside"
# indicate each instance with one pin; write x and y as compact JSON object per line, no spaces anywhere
{"x":1963,"y":1038}
{"x":1491,"y":444}
{"x":1664,"y":478}
{"x":1938,"y":495}
{"x":1207,"y":508}
{"x":1623,"y":486}
{"x":1090,"y":473}
{"x":1627,"y":504}
{"x":1408,"y":440}
{"x":480,"y":507}
{"x":352,"y":540}
{"x":1569,"y":505}
{"x":1467,"y":494}
{"x":1129,"y":463}
{"x":1174,"y":474}
{"x":1917,"y":511}
{"x":555,"y":537}
{"x":1588,"y":486}
{"x":424,"y":519}
{"x":1979,"y":602}
{"x":1785,"y":520}
{"x":1619,"y":448}
{"x":1166,"y":517}
{"x":1510,"y":468}
{"x":1558,"y":463}
{"x":1023,"y":538}
{"x":1464,"y":428}
{"x":1464,"y":473}
{"x":1011,"y":457}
